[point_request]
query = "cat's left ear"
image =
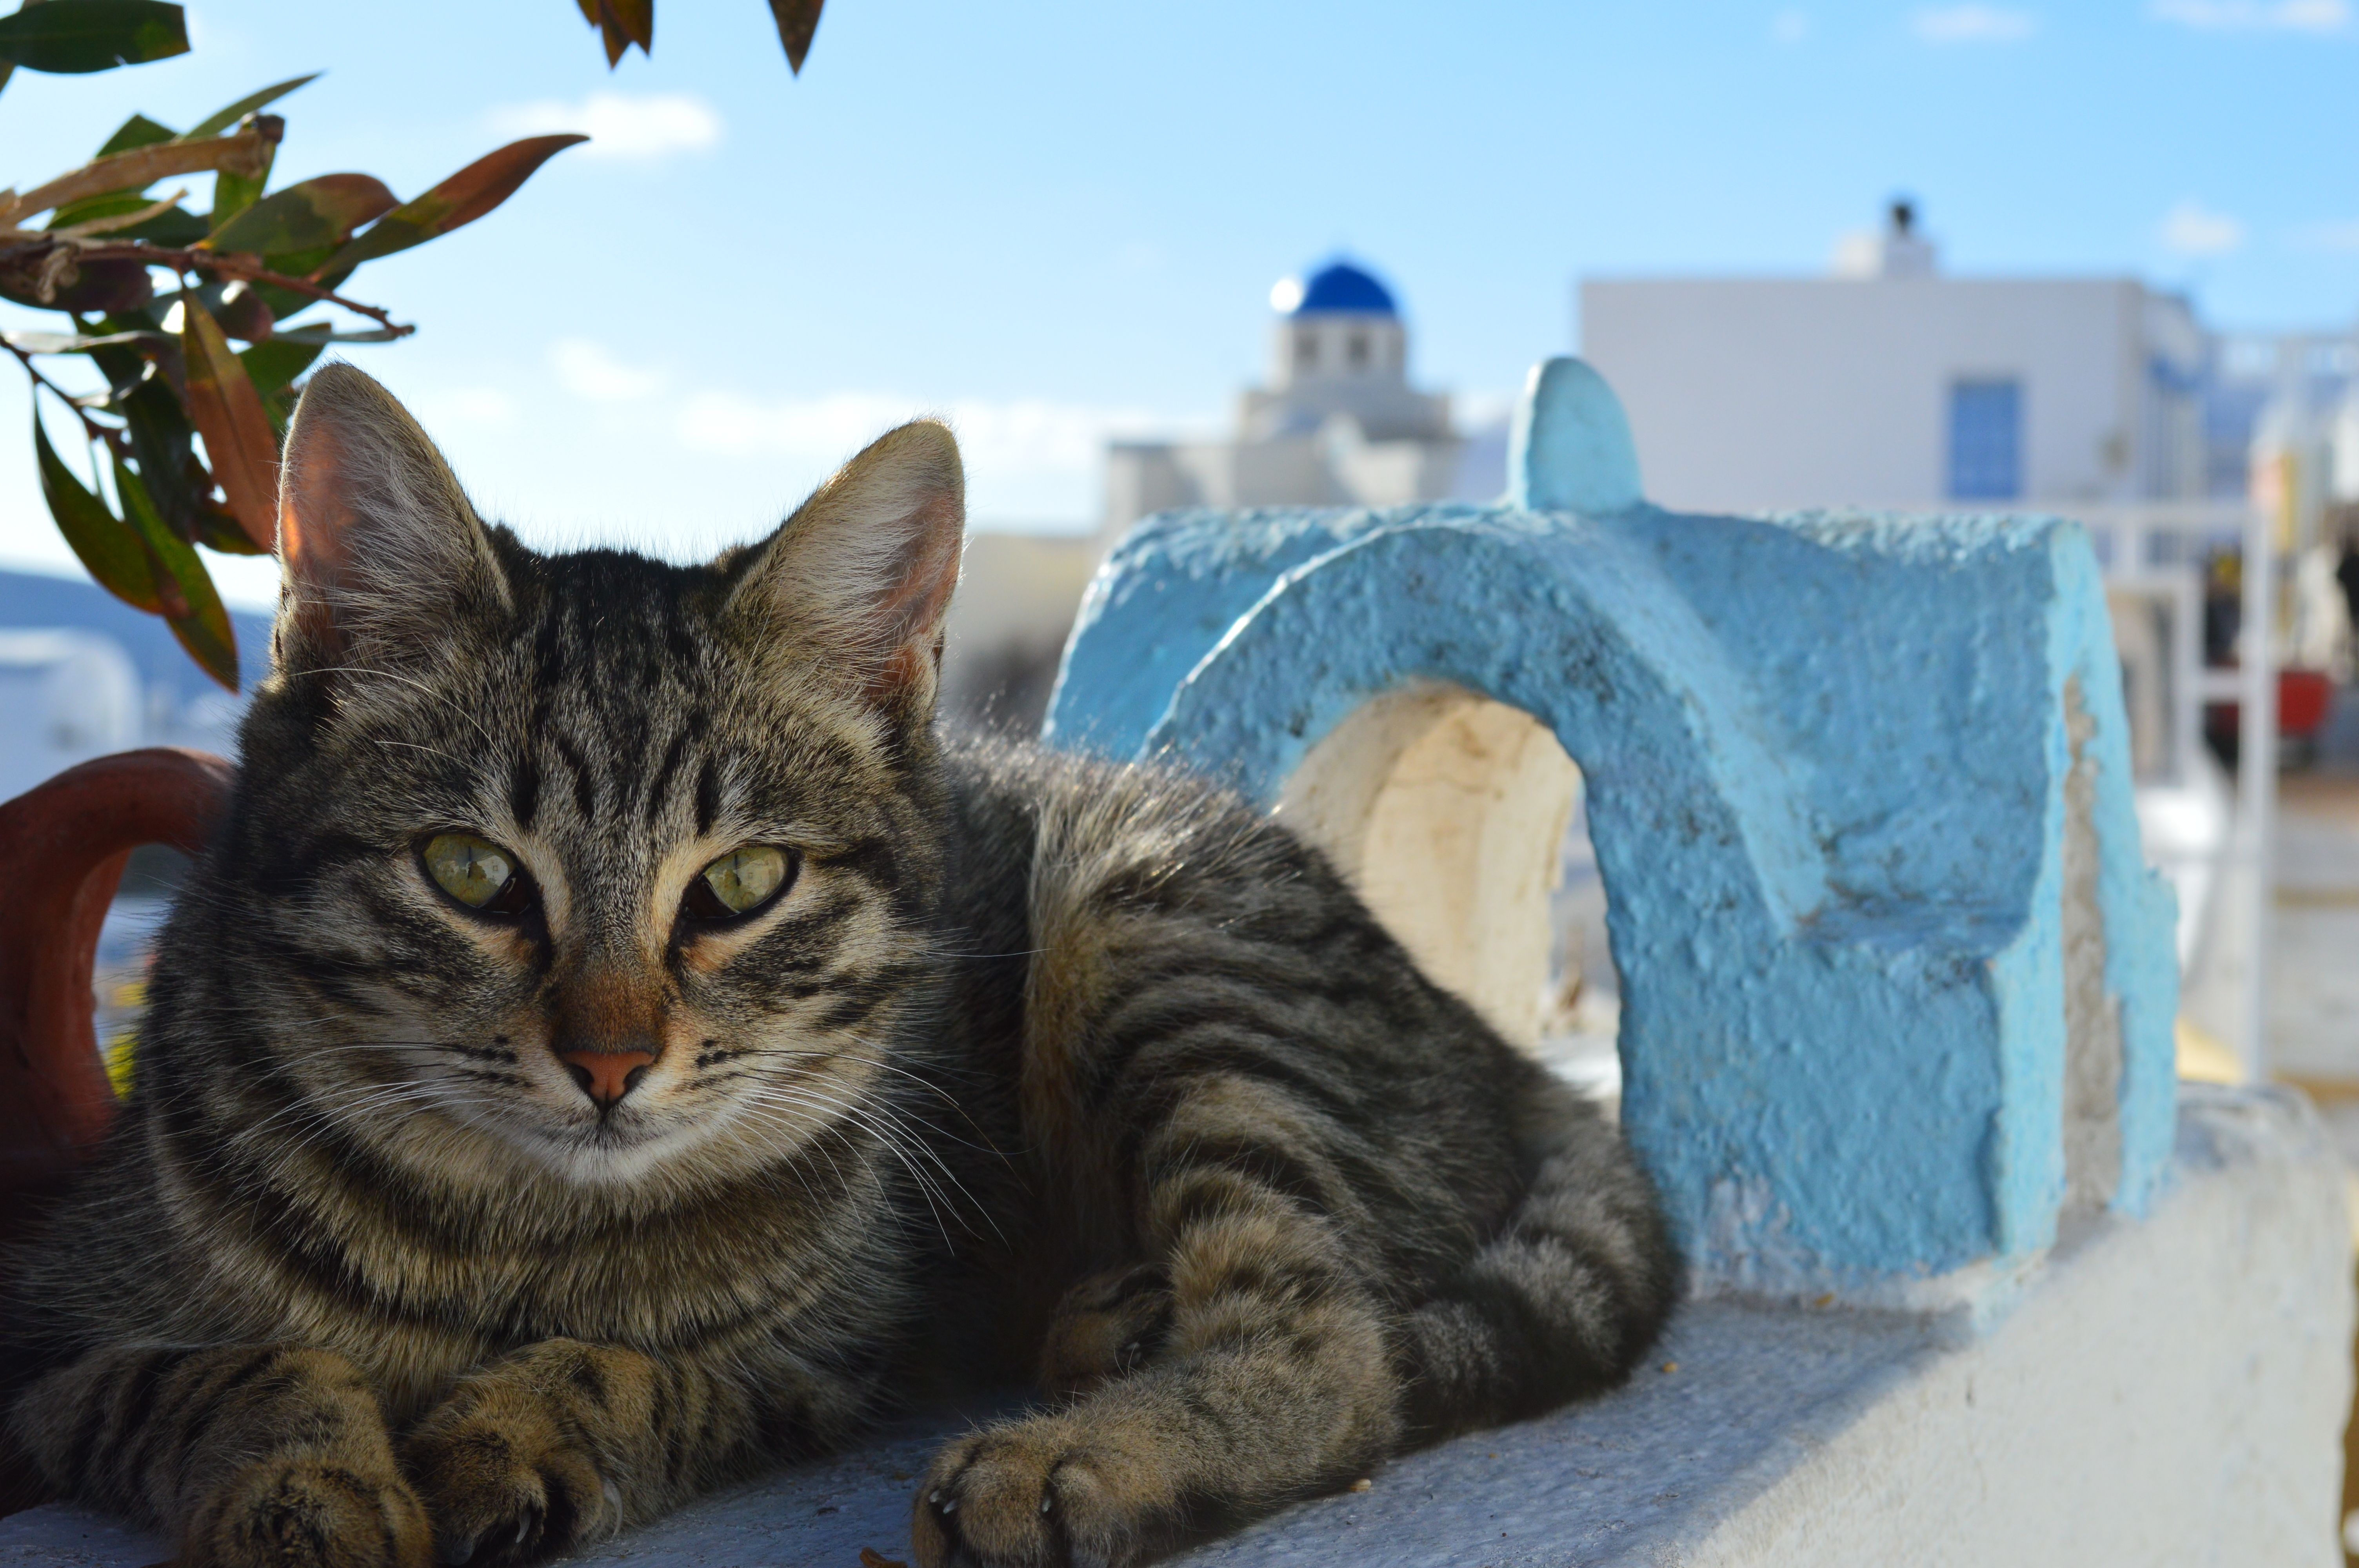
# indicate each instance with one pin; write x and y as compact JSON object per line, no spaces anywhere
{"x":382,"y":558}
{"x":861,"y":575}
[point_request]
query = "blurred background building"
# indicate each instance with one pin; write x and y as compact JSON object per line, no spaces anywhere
{"x":83,"y":673}
{"x":1889,"y":383}
{"x":1338,"y":423}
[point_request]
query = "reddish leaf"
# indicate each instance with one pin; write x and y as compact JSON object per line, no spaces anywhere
{"x":798,"y":20}
{"x":39,"y":275}
{"x":625,"y":23}
{"x":459,"y":199}
{"x":228,"y":413}
{"x":637,"y":19}
{"x":621,"y":24}
{"x":243,"y":313}
{"x":106,"y":545}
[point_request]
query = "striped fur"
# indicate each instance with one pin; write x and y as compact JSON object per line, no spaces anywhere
{"x":1038,"y":1065}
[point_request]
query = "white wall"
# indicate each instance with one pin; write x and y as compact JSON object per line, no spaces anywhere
{"x":1750,"y":394}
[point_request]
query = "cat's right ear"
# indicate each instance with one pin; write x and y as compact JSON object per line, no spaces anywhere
{"x":861,"y":575}
{"x":382,"y":556}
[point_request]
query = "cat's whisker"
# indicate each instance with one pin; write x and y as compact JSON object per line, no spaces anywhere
{"x":874,"y":1119}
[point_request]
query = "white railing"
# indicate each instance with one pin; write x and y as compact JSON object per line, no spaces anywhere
{"x":2156,"y":551}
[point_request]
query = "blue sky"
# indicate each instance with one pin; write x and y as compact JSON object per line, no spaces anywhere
{"x":1061,"y":219}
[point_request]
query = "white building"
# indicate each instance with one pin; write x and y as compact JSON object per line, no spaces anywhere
{"x":65,"y":697}
{"x":1337,"y":424}
{"x":1888,"y":384}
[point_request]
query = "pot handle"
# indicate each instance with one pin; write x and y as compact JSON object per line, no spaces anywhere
{"x":62,"y":849}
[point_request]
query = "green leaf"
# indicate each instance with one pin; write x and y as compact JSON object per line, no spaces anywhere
{"x":191,"y":606}
{"x":318,"y":212}
{"x":234,"y":191}
{"x":108,"y":548}
{"x":459,"y":199}
{"x":276,"y":361}
{"x":798,"y":20}
{"x":138,"y":131}
{"x":175,"y":227}
{"x":161,"y":438}
{"x":229,"y":114}
{"x":73,"y":36}
{"x":112,"y":204}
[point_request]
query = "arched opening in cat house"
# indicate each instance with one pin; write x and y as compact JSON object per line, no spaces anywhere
{"x":1463,"y":824}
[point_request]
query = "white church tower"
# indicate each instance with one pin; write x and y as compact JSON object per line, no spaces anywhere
{"x":1337,"y":424}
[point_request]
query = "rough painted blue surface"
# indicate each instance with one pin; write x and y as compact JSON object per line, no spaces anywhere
{"x":1826,"y":756}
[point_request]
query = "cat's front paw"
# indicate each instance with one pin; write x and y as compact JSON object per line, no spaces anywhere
{"x":505,"y":1484}
{"x":308,"y":1513}
{"x":1033,"y":1493}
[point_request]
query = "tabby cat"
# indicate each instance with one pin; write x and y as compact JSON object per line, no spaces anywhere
{"x":614,"y":1045}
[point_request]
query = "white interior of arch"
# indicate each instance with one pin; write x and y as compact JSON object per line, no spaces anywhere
{"x":1447,"y":811}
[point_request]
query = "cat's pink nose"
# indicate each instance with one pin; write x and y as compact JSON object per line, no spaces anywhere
{"x":605,"y":1076}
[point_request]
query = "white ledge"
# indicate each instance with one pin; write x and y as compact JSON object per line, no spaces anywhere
{"x":2162,"y":1392}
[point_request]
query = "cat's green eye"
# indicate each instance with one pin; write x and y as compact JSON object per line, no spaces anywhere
{"x":475,"y":872}
{"x":740,"y":882}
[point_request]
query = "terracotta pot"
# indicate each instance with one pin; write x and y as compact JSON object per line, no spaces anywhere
{"x":62,"y":846}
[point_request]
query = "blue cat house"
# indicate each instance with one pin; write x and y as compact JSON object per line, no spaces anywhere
{"x":1898,"y":986}
{"x":1977,"y":1282}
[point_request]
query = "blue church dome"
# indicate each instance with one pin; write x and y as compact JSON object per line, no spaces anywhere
{"x":1338,"y":285}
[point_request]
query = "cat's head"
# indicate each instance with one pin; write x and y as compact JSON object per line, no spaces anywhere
{"x":624,"y":867}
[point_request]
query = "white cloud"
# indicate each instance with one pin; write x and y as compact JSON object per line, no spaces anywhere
{"x":2193,"y":230}
{"x":1021,"y":455}
{"x":588,"y":371}
{"x":642,"y":127}
{"x":1976,"y":25}
{"x":1790,"y":27}
{"x":2256,"y":15}
{"x":2340,"y":236}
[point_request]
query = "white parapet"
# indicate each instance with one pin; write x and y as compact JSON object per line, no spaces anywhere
{"x":2158,"y":1392}
{"x":2165,"y":1392}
